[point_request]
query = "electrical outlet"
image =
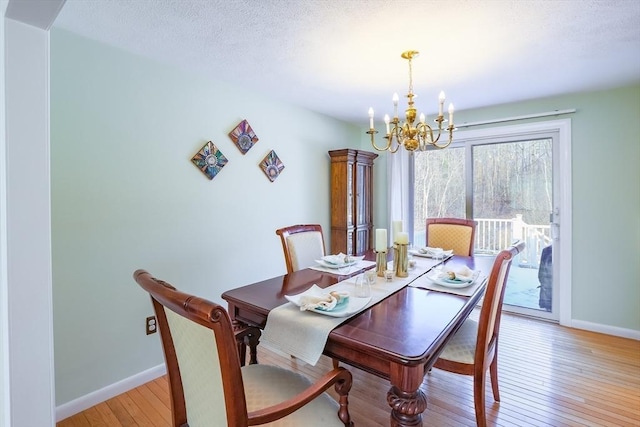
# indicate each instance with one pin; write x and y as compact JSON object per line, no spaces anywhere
{"x":151,"y":325}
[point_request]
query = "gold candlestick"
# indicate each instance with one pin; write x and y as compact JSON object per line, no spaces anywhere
{"x":401,"y":259}
{"x":381,"y":263}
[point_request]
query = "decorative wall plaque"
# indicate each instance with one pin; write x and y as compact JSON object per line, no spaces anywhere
{"x":209,"y":160}
{"x":243,"y":136}
{"x":272,"y":165}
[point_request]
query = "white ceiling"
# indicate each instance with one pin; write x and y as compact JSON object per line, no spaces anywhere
{"x":339,"y":57}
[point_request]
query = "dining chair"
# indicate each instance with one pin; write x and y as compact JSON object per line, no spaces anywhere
{"x":302,"y":245}
{"x":457,"y":234}
{"x":208,"y":386}
{"x":474,"y":347}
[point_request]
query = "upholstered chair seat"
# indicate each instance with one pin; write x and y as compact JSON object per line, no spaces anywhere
{"x":462,"y":347}
{"x":267,"y":385}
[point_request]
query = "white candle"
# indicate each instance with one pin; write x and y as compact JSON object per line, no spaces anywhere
{"x":395,"y":105}
{"x":370,"y":117}
{"x":441,"y":99}
{"x":386,"y":121}
{"x":402,"y":238}
{"x":397,"y":227}
{"x":381,"y":239}
{"x":423,"y":118}
{"x":450,"y":114}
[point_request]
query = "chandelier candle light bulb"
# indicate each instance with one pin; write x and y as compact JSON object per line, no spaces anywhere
{"x":395,"y":105}
{"x":450,"y":114}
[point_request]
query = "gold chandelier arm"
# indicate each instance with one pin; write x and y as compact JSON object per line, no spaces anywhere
{"x":397,"y":146}
{"x":397,"y":134}
{"x":450,"y":129}
{"x":373,"y":141}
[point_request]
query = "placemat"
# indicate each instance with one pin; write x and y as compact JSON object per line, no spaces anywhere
{"x":424,"y":282}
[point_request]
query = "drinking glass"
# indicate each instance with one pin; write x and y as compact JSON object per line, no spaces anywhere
{"x":438,"y":256}
{"x":363,"y":288}
{"x":371,"y":276}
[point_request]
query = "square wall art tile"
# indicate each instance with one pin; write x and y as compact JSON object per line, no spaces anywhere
{"x":272,"y":166}
{"x":243,"y":136}
{"x":209,"y":160}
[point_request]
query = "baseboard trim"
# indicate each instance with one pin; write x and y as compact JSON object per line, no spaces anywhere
{"x":606,"y":329}
{"x":87,"y":401}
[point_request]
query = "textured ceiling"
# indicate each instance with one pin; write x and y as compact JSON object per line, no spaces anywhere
{"x":339,"y":57}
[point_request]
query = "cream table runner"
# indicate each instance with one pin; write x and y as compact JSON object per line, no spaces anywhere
{"x":303,"y":334}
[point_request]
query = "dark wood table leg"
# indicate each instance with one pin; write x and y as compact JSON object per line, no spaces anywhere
{"x":405,"y":398}
{"x":247,"y":336}
{"x":251,"y":340}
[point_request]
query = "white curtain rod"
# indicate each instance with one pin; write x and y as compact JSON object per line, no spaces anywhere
{"x":510,"y":119}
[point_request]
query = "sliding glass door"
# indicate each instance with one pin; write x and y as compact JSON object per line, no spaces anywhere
{"x":506,"y":184}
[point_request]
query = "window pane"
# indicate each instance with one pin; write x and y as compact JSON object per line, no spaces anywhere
{"x":513,"y":178}
{"x":438,"y":187}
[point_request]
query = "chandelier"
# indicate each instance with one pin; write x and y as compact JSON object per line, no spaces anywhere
{"x":412,"y":137}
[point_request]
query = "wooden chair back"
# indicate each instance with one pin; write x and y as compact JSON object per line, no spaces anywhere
{"x":491,"y":311}
{"x":301,"y":244}
{"x":200,"y":353}
{"x":457,"y":234}
{"x":474,"y":347}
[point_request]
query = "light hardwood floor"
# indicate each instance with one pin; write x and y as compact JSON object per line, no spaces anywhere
{"x":549,"y":376}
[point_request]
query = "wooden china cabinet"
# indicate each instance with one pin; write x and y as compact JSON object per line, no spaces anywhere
{"x":351,"y":201}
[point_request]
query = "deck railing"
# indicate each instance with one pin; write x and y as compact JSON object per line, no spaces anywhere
{"x":493,"y":235}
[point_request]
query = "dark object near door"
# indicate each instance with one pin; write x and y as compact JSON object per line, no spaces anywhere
{"x":545,"y":276}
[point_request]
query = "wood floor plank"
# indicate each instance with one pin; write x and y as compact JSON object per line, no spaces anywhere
{"x":549,"y":376}
{"x":107,"y":415}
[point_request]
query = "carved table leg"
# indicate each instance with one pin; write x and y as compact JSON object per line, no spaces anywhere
{"x":246,"y":336}
{"x":405,"y":398}
{"x":251,"y":340}
{"x":406,"y":408}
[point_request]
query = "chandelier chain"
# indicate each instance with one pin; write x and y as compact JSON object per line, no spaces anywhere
{"x":410,"y":77}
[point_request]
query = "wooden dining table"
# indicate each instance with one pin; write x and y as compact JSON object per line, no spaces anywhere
{"x":398,"y":339}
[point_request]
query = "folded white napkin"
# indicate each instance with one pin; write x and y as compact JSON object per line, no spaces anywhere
{"x":463,"y":274}
{"x":432,"y":251}
{"x":337,"y":259}
{"x":325,"y":302}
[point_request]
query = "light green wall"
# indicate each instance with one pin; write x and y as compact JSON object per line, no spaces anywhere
{"x":125,"y":196}
{"x":605,"y":197}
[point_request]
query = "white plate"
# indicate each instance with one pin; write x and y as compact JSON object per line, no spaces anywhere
{"x":353,"y":306}
{"x":416,"y":252}
{"x":455,"y":284}
{"x":354,"y":261}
